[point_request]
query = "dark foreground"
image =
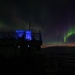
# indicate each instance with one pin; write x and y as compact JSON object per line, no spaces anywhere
{"x":48,"y":61}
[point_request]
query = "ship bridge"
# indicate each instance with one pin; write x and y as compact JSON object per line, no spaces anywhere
{"x":27,"y":34}
{"x":19,"y":37}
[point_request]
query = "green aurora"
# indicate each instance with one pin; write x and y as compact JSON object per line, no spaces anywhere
{"x":70,"y":32}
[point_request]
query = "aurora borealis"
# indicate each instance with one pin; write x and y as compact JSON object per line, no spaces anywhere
{"x":69,"y":33}
{"x":55,"y":18}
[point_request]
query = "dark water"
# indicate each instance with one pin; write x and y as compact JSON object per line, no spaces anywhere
{"x":61,"y":60}
{"x":48,"y":61}
{"x":12,"y":62}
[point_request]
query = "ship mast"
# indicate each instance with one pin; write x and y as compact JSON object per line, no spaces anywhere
{"x":29,"y":25}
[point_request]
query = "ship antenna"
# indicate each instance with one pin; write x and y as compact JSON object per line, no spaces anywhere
{"x":29,"y":25}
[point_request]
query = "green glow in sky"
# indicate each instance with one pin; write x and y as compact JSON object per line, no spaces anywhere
{"x":69,"y":33}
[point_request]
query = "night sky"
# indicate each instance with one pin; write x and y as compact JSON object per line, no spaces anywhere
{"x":53,"y":17}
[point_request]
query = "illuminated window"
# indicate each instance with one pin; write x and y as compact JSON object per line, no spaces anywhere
{"x":28,"y":45}
{"x":18,"y":46}
{"x":28,"y":35}
{"x":19,"y":32}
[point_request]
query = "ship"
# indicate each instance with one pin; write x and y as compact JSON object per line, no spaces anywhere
{"x":25,"y":40}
